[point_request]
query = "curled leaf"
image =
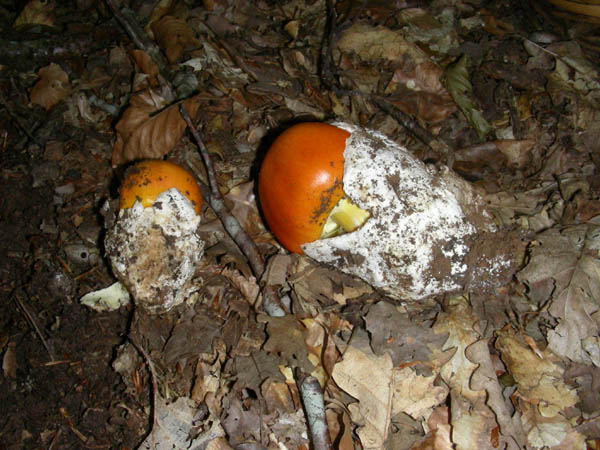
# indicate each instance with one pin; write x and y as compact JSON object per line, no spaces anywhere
{"x":51,"y":88}
{"x":140,"y":134}
{"x":173,"y":34}
{"x":36,"y":12}
{"x":461,"y":90}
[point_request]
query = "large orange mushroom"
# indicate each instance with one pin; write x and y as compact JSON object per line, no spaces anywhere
{"x":149,"y":178}
{"x":300,"y":184}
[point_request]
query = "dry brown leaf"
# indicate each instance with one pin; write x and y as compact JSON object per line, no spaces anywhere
{"x":143,"y":135}
{"x":173,"y":424}
{"x":415,"y":87}
{"x":36,"y":12}
{"x":368,"y":378}
{"x":406,"y":338}
{"x":173,"y":34}
{"x":416,"y":395}
{"x":242,"y":203}
{"x":145,"y":62}
{"x":544,"y":397}
{"x":472,"y":420}
{"x":9,"y":361}
{"x":568,"y":261}
{"x":340,"y":430}
{"x":287,"y":337}
{"x":162,"y":8}
{"x":51,"y":88}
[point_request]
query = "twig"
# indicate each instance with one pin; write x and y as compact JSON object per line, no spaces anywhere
{"x":271,"y":302}
{"x":34,"y":325}
{"x":217,"y":202}
{"x":128,"y":21}
{"x":17,"y":119}
{"x":314,"y":406}
{"x":153,"y":378}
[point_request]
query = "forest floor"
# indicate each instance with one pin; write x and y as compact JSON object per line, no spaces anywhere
{"x":506,"y":93}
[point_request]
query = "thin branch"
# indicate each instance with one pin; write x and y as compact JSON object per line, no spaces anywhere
{"x":18,"y":121}
{"x":33,"y":324}
{"x":128,"y":21}
{"x":314,"y":407}
{"x":217,"y":202}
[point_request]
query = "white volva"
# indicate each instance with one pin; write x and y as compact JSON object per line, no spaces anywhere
{"x":154,"y":251}
{"x":422,"y":221}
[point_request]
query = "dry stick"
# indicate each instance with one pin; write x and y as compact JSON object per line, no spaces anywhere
{"x":18,"y":121}
{"x":233,"y":227}
{"x":33,"y":324}
{"x":271,"y":301}
{"x":314,"y":406}
{"x":128,"y":21}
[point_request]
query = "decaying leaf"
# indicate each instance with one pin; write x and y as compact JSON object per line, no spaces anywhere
{"x":355,"y":375}
{"x":143,"y":132}
{"x":9,"y":361}
{"x":145,"y":62}
{"x":36,"y":12}
{"x":403,"y":336}
{"x":287,"y":337}
{"x":415,"y":87}
{"x":567,"y":261}
{"x":471,"y":418}
{"x":173,"y":34}
{"x":51,"y":88}
{"x":416,"y":395}
{"x":173,"y":424}
{"x":542,"y":393}
{"x":461,"y":89}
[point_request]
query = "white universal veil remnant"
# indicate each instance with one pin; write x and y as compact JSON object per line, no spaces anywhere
{"x":154,"y":250}
{"x":428,"y":232}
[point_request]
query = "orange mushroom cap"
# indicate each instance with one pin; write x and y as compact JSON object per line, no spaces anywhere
{"x":300,"y":181}
{"x":147,"y":179}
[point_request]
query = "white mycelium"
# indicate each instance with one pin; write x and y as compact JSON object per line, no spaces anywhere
{"x":154,"y":251}
{"x":422,"y":220}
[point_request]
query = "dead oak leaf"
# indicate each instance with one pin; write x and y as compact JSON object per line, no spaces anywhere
{"x":368,"y":378}
{"x":36,"y":12}
{"x":568,"y":260}
{"x":404,"y":337}
{"x":287,"y":339}
{"x":52,"y":86}
{"x":173,"y":34}
{"x":143,"y":134}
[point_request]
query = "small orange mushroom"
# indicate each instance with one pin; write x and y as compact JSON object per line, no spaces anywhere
{"x":147,"y":179}
{"x":300,"y":184}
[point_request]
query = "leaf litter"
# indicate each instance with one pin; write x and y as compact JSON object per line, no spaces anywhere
{"x":515,"y":367}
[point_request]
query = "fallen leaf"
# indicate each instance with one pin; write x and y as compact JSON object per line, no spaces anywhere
{"x":145,"y":62}
{"x":143,"y":134}
{"x":173,"y":35}
{"x":287,"y":337}
{"x":36,"y":12}
{"x":52,"y":86}
{"x":472,"y":420}
{"x":543,"y":396}
{"x":173,"y":424}
{"x":402,"y":335}
{"x":416,"y":395}
{"x":368,"y":378}
{"x":568,"y":260}
{"x":9,"y":361}
{"x":461,"y":90}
